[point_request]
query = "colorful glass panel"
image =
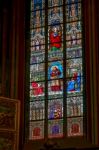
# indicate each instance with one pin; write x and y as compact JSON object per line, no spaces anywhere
{"x":37,"y":110}
{"x":72,"y":1}
{"x":54,"y":3}
{"x":75,"y":126}
{"x":55,"y":15}
{"x":36,"y":130}
{"x":73,"y":31}
{"x":37,"y":19}
{"x":73,"y":52}
{"x":55,"y":128}
{"x":56,"y":69}
{"x":55,"y":89}
{"x":37,"y":4}
{"x":55,"y":109}
{"x":75,"y":106}
{"x":37,"y":72}
{"x":73,"y":12}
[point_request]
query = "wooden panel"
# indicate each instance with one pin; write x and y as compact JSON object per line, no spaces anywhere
{"x":9,"y":123}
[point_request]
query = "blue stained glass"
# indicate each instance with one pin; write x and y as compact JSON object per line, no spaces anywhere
{"x":74,"y":86}
{"x":55,"y":128}
{"x":72,"y":1}
{"x":37,"y":4}
{"x":55,"y":109}
{"x":55,"y":70}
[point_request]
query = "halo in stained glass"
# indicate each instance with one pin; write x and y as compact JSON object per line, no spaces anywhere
{"x":55,"y":70}
{"x":53,"y":3}
{"x":37,"y":72}
{"x":55,"y":88}
{"x":74,"y":106}
{"x":75,"y":126}
{"x":73,"y":12}
{"x":36,"y":130}
{"x":55,"y":128}
{"x":37,"y":110}
{"x":55,"y":109}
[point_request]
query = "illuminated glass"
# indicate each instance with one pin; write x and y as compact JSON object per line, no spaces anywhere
{"x":56,"y":69}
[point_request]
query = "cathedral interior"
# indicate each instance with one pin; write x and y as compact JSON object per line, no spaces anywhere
{"x":23,"y":27}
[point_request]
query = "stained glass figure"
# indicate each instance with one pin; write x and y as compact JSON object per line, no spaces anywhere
{"x":55,"y":46}
{"x":75,"y":106}
{"x":55,"y":109}
{"x":55,"y":128}
{"x":37,"y":89}
{"x":73,"y":12}
{"x":36,"y":130}
{"x":37,"y":57}
{"x":55,"y":89}
{"x":55,"y":70}
{"x":75,"y":126}
{"x":55,"y":37}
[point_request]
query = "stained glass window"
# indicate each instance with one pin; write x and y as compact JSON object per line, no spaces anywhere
{"x":56,"y":101}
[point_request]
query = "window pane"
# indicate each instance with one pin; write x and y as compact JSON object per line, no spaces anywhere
{"x":55,"y":109}
{"x":73,"y":12}
{"x":75,"y":126}
{"x":55,"y":128}
{"x":36,"y":130}
{"x":55,"y":70}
